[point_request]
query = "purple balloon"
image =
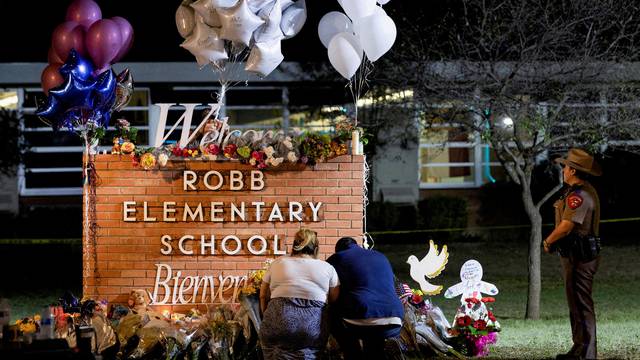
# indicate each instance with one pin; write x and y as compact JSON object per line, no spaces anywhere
{"x":103,"y":42}
{"x":53,"y":58}
{"x":126,"y":32}
{"x":66,"y":36}
{"x":84,"y":12}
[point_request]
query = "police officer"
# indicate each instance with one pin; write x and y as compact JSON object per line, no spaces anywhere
{"x":576,"y":236}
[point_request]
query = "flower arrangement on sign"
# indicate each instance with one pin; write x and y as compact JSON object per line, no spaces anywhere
{"x":261,"y":150}
{"x":475,"y":327}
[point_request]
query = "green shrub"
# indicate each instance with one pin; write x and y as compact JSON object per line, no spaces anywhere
{"x":381,"y":216}
{"x":443,"y":212}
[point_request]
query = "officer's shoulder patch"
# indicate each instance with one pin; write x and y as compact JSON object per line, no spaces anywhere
{"x":574,"y":201}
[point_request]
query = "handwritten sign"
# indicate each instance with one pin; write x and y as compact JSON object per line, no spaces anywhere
{"x":471,"y":285}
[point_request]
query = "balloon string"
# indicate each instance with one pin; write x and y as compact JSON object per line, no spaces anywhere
{"x":359,"y":84}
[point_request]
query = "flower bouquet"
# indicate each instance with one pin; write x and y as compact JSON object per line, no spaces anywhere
{"x":250,"y":293}
{"x":425,"y":327}
{"x":125,"y":138}
{"x":475,"y":327}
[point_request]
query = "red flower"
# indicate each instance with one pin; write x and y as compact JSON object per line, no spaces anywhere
{"x":480,"y":324}
{"x":176,"y":151}
{"x":262,"y":165}
{"x":416,"y":299}
{"x":488,"y":299}
{"x":258,"y":155}
{"x":463,"y":321}
{"x":185,"y":153}
{"x":230,"y":150}
{"x":491,"y":316}
{"x":472,"y":300}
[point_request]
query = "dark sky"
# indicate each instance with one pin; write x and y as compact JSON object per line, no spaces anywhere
{"x":28,"y":24}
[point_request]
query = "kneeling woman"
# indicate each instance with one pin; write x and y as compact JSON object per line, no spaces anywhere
{"x":293,"y":298}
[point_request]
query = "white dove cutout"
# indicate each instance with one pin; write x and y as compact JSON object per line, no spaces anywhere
{"x":471,"y":285}
{"x":429,"y":267}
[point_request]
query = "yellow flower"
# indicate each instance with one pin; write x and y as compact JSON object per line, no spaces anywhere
{"x":127,"y":147}
{"x":195,"y":153}
{"x":36,"y":317}
{"x":148,"y":161}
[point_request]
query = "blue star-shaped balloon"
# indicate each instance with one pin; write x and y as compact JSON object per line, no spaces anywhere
{"x":80,"y":67}
{"x":81,"y":97}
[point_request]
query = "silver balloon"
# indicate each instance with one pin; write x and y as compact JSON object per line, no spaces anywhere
{"x":426,"y":336}
{"x":258,"y":5}
{"x":272,"y":16}
{"x":223,"y":3}
{"x":205,"y":9}
{"x":185,"y":20}
{"x":124,"y":90}
{"x":239,"y":23}
{"x":293,"y":18}
{"x":264,"y":58}
{"x":285,"y":4}
{"x":205,"y":43}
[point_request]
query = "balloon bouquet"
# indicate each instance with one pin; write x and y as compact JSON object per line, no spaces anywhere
{"x":224,"y":33}
{"x":83,"y":91}
{"x":355,"y":40}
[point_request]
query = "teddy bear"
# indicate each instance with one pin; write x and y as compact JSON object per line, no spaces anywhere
{"x":138,"y":301}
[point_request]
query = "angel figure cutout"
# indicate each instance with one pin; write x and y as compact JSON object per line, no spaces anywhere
{"x":471,"y":285}
{"x":429,"y":267}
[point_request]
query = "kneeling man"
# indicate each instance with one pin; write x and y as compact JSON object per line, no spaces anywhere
{"x":368,"y":308}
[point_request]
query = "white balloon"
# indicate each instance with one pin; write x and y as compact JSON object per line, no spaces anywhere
{"x":224,"y":3}
{"x":357,"y":9}
{"x":293,"y":18}
{"x":331,"y":24}
{"x":239,"y":23}
{"x":264,"y":57}
{"x":205,"y":43}
{"x":206,"y":9}
{"x":345,"y":54}
{"x":383,"y":2}
{"x":376,"y":33}
{"x":272,"y":15}
{"x":185,"y":20}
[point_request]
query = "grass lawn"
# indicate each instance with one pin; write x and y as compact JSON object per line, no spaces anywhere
{"x":616,"y":291}
{"x":617,"y":288}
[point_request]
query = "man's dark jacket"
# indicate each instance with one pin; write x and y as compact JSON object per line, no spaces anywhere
{"x":366,"y":284}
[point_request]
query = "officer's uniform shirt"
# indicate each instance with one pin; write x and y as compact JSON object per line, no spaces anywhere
{"x":578,"y":205}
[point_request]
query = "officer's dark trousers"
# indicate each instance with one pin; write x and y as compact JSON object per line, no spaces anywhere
{"x":578,"y":281}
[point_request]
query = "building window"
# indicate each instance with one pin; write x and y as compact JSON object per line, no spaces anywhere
{"x":449,"y":157}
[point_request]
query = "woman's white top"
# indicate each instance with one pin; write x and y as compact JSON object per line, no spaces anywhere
{"x":299,"y":277}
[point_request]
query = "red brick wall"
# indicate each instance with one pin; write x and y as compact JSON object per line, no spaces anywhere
{"x":126,"y":252}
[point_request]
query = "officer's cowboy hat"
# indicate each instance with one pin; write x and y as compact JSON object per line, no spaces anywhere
{"x":581,"y":160}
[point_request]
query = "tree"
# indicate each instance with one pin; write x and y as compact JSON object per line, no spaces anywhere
{"x":528,"y":77}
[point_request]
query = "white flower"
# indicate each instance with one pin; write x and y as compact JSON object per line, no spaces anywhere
{"x":269,"y":151}
{"x":291,"y":156}
{"x":252,"y":162}
{"x":276,"y":161}
{"x":287,"y":143}
{"x":162,"y":159}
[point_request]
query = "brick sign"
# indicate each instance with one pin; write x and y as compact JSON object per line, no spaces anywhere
{"x":189,"y":233}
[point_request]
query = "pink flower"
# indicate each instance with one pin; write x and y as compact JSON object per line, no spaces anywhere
{"x":213,"y":149}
